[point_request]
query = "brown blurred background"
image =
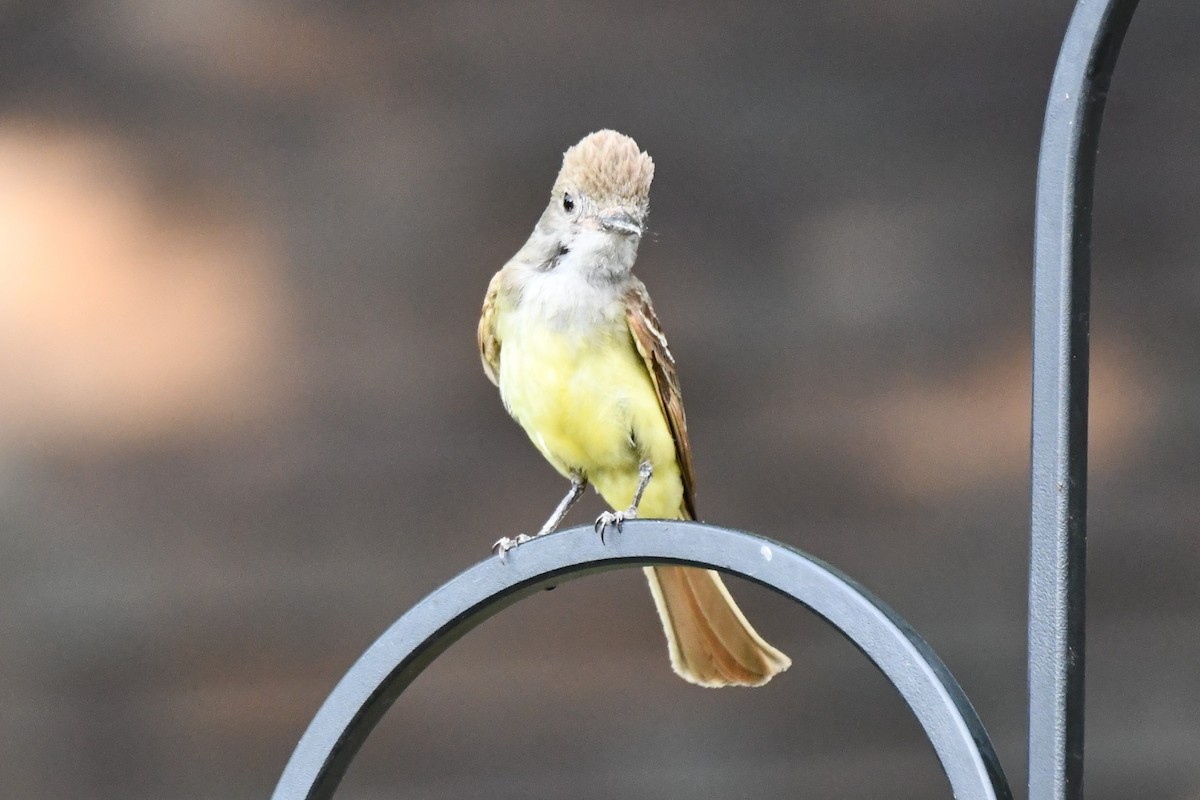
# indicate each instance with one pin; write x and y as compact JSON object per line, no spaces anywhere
{"x":243,"y":424}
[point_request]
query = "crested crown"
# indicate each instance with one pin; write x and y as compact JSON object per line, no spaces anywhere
{"x":608,"y":166}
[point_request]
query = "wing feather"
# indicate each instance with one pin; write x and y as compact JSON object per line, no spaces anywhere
{"x":489,"y":340}
{"x":652,"y":345}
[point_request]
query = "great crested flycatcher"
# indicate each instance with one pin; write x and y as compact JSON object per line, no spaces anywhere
{"x":570,"y":337}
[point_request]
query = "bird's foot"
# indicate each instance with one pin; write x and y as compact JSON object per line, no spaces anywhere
{"x":503,"y":545}
{"x":614,"y":519}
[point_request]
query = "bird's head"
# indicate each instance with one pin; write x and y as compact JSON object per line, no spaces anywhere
{"x":600,"y":200}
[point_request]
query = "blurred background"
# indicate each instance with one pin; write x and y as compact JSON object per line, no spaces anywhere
{"x":243,"y":424}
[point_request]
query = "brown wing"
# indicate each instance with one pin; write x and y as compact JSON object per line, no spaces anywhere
{"x":652,"y":345}
{"x":489,"y":342}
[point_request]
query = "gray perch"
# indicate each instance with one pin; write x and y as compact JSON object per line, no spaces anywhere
{"x":421,"y":635}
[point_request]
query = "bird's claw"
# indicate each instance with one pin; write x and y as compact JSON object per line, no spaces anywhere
{"x":615,"y":519}
{"x":504,"y":544}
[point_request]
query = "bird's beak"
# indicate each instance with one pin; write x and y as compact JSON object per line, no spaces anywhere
{"x":621,"y":222}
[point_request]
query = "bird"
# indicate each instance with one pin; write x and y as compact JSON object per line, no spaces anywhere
{"x":569,"y":336}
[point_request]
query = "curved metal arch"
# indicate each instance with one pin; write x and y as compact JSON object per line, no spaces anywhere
{"x":1062,"y":278}
{"x":429,"y":628}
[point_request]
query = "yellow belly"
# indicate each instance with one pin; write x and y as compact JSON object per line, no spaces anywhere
{"x":588,"y":404}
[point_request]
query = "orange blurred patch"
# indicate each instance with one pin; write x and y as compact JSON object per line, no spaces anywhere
{"x":974,"y":427}
{"x":125,"y":317}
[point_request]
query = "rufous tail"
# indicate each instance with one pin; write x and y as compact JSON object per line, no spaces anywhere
{"x":710,"y":641}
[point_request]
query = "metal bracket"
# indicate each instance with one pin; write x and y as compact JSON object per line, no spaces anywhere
{"x":417,"y":638}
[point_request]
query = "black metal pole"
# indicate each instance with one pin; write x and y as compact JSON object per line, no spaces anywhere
{"x":1062,"y":278}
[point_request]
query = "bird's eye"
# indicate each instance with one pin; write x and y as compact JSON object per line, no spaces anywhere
{"x":568,"y":203}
